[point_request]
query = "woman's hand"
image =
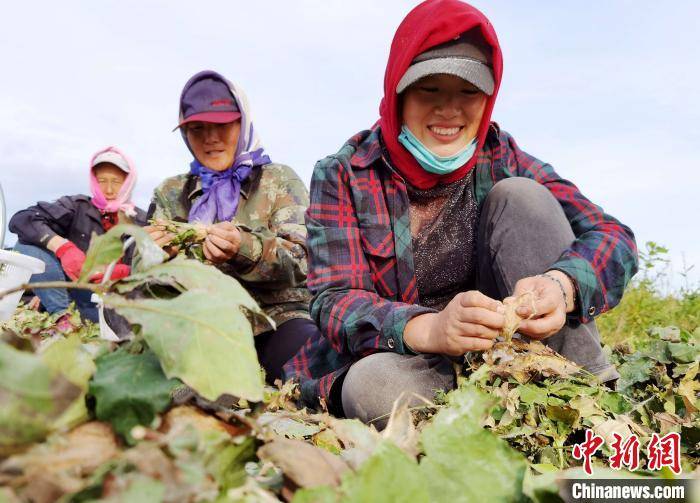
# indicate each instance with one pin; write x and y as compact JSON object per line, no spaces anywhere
{"x":159,"y":234}
{"x":72,"y":259}
{"x":551,"y":306}
{"x":470,"y":322}
{"x":222,"y":242}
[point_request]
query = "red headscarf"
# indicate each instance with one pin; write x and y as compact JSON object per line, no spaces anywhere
{"x":431,"y":23}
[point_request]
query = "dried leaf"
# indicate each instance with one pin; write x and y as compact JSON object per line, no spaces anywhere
{"x":512,"y":318}
{"x":319,"y":467}
{"x":400,"y":429}
{"x":525,"y":361}
{"x":60,"y":465}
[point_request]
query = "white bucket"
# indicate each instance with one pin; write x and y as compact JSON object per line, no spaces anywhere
{"x":15,"y":270}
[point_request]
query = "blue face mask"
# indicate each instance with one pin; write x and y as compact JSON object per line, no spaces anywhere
{"x":433,"y":163}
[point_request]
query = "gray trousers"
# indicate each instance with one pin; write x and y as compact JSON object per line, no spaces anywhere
{"x":522,"y":231}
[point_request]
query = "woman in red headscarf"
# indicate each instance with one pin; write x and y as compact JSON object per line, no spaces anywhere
{"x":420,"y":226}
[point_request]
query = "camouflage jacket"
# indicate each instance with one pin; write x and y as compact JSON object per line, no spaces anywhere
{"x":271,"y":261}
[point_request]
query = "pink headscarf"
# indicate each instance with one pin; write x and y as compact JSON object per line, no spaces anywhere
{"x":123,"y":200}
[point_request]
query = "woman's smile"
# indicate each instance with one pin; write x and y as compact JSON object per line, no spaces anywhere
{"x":444,"y":112}
{"x":445,"y":134}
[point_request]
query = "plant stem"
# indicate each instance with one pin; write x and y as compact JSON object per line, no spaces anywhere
{"x":54,"y":284}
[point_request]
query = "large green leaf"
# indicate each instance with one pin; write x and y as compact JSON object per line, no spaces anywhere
{"x":202,"y":336}
{"x":388,"y":475}
{"x":185,"y":274}
{"x":68,"y":357}
{"x":130,"y":389}
{"x":108,"y":247}
{"x":683,"y":352}
{"x":322,"y":494}
{"x":32,"y":397}
{"x":464,"y":462}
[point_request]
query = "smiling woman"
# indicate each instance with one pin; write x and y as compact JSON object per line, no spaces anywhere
{"x":214,"y":145}
{"x":253,"y":210}
{"x":443,"y":112}
{"x":420,"y":227}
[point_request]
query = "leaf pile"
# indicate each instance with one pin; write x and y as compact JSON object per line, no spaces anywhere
{"x":545,"y":402}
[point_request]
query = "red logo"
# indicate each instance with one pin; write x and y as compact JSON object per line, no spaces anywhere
{"x":586,"y":449}
{"x":626,"y":453}
{"x":221,"y":103}
{"x":665,"y":451}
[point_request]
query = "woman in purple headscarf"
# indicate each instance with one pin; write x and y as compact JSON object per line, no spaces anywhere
{"x":253,"y":210}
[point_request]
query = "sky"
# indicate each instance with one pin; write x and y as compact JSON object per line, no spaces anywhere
{"x":606,"y":92}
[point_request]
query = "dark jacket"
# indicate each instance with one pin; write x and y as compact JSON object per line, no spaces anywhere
{"x":72,"y":217}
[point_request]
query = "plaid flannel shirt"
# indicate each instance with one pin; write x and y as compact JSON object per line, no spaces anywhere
{"x":361,"y":269}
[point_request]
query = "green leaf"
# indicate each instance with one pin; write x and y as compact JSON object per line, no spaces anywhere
{"x":130,"y":389}
{"x":226,"y":460}
{"x":683,"y":352}
{"x":563,"y":414}
{"x":32,"y":397}
{"x":464,"y":462}
{"x":634,"y":371}
{"x":140,"y":489}
{"x":69,"y":357}
{"x":322,"y":494}
{"x":108,"y":247}
{"x":531,"y":394}
{"x":203,"y":339}
{"x":185,"y":274}
{"x":655,"y":349}
{"x":286,"y":426}
{"x":614,"y":402}
{"x":388,"y":475}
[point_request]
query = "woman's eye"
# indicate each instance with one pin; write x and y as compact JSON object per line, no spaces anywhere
{"x":469,"y":92}
{"x":428,"y":89}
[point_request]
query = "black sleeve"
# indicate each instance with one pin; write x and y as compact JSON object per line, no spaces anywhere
{"x":39,"y":223}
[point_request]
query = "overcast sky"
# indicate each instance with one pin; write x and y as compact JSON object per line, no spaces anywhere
{"x":607,"y":92}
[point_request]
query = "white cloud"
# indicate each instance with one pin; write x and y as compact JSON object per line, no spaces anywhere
{"x":606,"y":93}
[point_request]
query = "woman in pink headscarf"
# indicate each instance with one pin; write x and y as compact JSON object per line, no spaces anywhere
{"x":58,"y":233}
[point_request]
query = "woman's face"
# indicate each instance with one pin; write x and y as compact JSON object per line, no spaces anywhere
{"x":444,"y":112}
{"x":214,"y":145}
{"x":110,"y":179}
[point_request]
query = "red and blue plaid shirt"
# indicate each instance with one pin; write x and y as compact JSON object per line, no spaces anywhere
{"x":361,"y":269}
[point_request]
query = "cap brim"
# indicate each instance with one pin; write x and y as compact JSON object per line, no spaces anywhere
{"x":471,"y":70}
{"x":113,"y":158}
{"x":215,"y":117}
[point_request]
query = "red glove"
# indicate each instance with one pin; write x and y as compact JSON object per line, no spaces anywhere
{"x":120,"y":271}
{"x":72,"y":259}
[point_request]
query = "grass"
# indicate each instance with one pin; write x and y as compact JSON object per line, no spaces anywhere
{"x":644,"y":305}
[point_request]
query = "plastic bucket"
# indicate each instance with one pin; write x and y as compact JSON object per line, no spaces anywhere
{"x":15,"y":270}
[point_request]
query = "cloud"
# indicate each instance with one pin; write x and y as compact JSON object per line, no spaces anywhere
{"x":603,"y":92}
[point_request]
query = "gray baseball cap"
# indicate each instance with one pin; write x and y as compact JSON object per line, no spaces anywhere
{"x":467,"y":57}
{"x":112,"y":158}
